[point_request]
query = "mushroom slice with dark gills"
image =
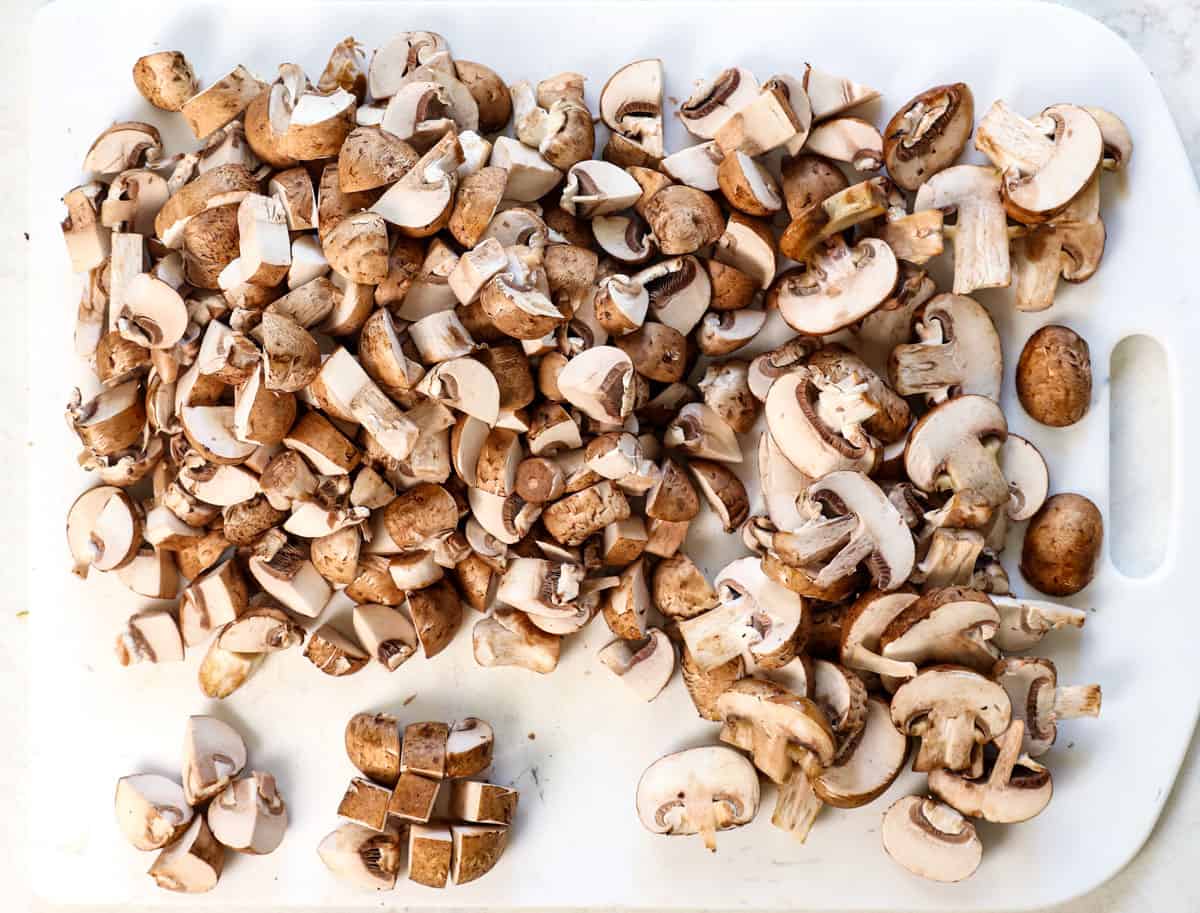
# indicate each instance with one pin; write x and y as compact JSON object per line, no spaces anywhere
{"x":817,"y":423}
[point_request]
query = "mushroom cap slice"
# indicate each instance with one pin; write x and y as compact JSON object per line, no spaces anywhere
{"x":476,"y":850}
{"x":800,"y":408}
{"x":952,"y":710}
{"x":892,"y":550}
{"x":928,"y":134}
{"x":213,"y":754}
{"x":958,"y":352}
{"x":1024,"y":622}
{"x":776,"y":726}
{"x":876,"y":759}
{"x":152,"y":810}
{"x":931,"y":839}
{"x":631,"y":103}
{"x":698,"y":791}
{"x":840,"y":286}
{"x":644,"y":668}
{"x":596,"y":188}
{"x":104,"y":530}
{"x":364,"y":857}
{"x":1028,"y":477}
{"x":947,"y":625}
{"x":249,"y":815}
{"x":1015,"y":789}
{"x":265,"y":629}
{"x":863,"y":625}
{"x":945,"y":448}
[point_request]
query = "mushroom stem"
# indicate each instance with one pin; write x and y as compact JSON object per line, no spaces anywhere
{"x":1010,"y":753}
{"x":1077,"y":701}
{"x":843,"y":406}
{"x":972,"y":464}
{"x":770,"y":753}
{"x":797,"y":806}
{"x":842,"y":565}
{"x":948,"y":743}
{"x":703,"y":813}
{"x":814,"y":541}
{"x":859,"y":657}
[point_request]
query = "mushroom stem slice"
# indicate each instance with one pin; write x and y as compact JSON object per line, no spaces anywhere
{"x":1076,"y":701}
{"x":797,"y":806}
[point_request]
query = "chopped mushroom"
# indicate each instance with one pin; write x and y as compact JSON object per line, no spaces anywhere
{"x":152,"y":811}
{"x":980,"y":238}
{"x":931,"y":839}
{"x":958,"y":352}
{"x":362,"y":856}
{"x":643,"y":668}
{"x":249,"y":815}
{"x":928,"y":134}
{"x":698,"y":791}
{"x":192,"y":864}
{"x":1016,"y":788}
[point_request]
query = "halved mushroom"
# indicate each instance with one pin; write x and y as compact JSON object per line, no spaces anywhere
{"x":714,"y":102}
{"x":509,"y":638}
{"x":362,"y":856}
{"x":839,"y":286}
{"x":385,"y":633}
{"x":817,"y":423}
{"x":756,"y":618}
{"x":790,"y":741}
{"x":947,"y":449}
{"x":723,"y":490}
{"x":631,"y":105}
{"x":213,"y":754}
{"x":953,"y":711}
{"x":1038,"y":701}
{"x":191,"y":865}
{"x":980,"y":234}
{"x":152,"y":811}
{"x":530,"y":176}
{"x":123,"y":146}
{"x":111,"y":421}
{"x":643,"y":667}
{"x":928,"y":134}
{"x":958,"y":352}
{"x":847,"y":139}
{"x":863,"y":626}
{"x":698,"y":791}
{"x":596,"y":188}
{"x":1016,"y":788}
{"x":931,"y":839}
{"x":748,"y":186}
{"x":868,"y":764}
{"x":284,"y":572}
{"x":104,"y":530}
{"x":599,"y":382}
{"x":696,"y":166}
{"x":249,"y":815}
{"x":1024,"y":622}
{"x":948,"y":625}
{"x":1045,"y":161}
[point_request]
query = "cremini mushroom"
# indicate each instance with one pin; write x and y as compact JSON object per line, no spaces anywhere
{"x":192,"y":864}
{"x":928,"y":134}
{"x":644,"y":668}
{"x":840,"y":286}
{"x":1062,"y":545}
{"x":946,"y":625}
{"x":953,"y":711}
{"x":948,"y":449}
{"x":362,"y":856}
{"x":715,"y":101}
{"x":981,"y":251}
{"x":817,"y":424}
{"x":249,"y":815}
{"x":152,"y":811}
{"x":958,"y":352}
{"x":698,"y":791}
{"x":1054,"y":376}
{"x":1016,"y":788}
{"x":931,"y":839}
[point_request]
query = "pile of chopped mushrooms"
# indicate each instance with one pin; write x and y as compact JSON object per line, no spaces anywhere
{"x":363,"y":348}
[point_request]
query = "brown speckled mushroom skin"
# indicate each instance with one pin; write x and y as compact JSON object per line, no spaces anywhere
{"x":1054,"y":376}
{"x":1062,"y":545}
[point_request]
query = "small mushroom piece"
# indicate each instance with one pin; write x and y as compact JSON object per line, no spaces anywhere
{"x":620,"y":304}
{"x":1054,"y":376}
{"x":419,"y":204}
{"x":153,"y":572}
{"x":876,"y":757}
{"x":1024,"y":622}
{"x":946,"y":449}
{"x":104,"y":530}
{"x":764,"y":123}
{"x":469,"y":748}
{"x":631,"y":104}
{"x":847,"y":139}
{"x":679,"y":589}
{"x":530,"y":175}
{"x":123,"y":146}
{"x":928,"y":134}
{"x":430,"y":851}
{"x":364,"y":857}
{"x":283,"y":571}
{"x":1038,"y":701}
{"x":723,"y":490}
{"x":839,"y":286}
{"x":365,"y":803}
{"x":466,"y":385}
{"x":698,"y":791}
{"x":111,"y":421}
{"x":953,"y":711}
{"x":1118,"y":144}
{"x":249,"y":815}
{"x":483,"y":803}
{"x":263,"y":629}
{"x":627,"y":606}
{"x":222,"y":671}
{"x":476,"y":850}
{"x":537,"y":586}
{"x":385,"y":633}
{"x":509,"y":638}
{"x":599,"y":382}
{"x":829,"y":94}
{"x":436,"y":613}
{"x":725,"y":387}
{"x":644,"y":668}
{"x":213,"y":754}
{"x":1028,"y":478}
{"x":165,"y":79}
{"x":947,"y":625}
{"x":748,"y":186}
{"x":958,"y":352}
{"x":700,"y":432}
{"x":373,"y":746}
{"x":597,"y":188}
{"x":683,"y":219}
{"x":221,"y":102}
{"x":790,"y":741}
{"x":88,"y":240}
{"x":333,"y":652}
{"x":152,"y":811}
{"x":1062,"y":545}
{"x":818,"y":423}
{"x":1070,"y":245}
{"x":715,"y":101}
{"x":931,"y":839}
{"x":680,"y":292}
{"x":832,"y":215}
{"x":192,"y":864}
{"x":748,"y":245}
{"x":863,"y":626}
{"x":1016,"y":788}
{"x":696,"y":166}
{"x":1045,"y":161}
{"x":981,"y":254}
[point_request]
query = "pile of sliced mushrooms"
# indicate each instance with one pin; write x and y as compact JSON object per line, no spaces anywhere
{"x":365,"y":348}
{"x":419,"y":787}
{"x":191,"y":825}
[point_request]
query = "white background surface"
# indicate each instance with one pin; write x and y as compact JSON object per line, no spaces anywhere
{"x":1163,"y":878}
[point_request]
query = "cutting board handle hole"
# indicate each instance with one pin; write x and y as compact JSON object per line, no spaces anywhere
{"x":1141,"y":448}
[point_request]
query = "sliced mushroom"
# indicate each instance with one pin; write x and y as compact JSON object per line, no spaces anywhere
{"x":509,"y":638}
{"x":928,"y":134}
{"x":645,"y":668}
{"x":931,"y":839}
{"x":104,"y":530}
{"x":1038,"y":701}
{"x":191,"y":865}
{"x":1016,"y":788}
{"x":698,"y":791}
{"x":364,"y":857}
{"x":1024,"y":622}
{"x":980,"y":237}
{"x":213,"y":754}
{"x":151,"y":810}
{"x":715,"y":101}
{"x":868,"y":765}
{"x":817,"y":423}
{"x":863,"y":626}
{"x":249,"y":815}
{"x":958,"y":352}
{"x":385,"y":633}
{"x":847,"y":139}
{"x":946,"y":449}
{"x":631,"y":105}
{"x":949,"y":625}
{"x":953,"y":711}
{"x":264,"y":629}
{"x":839,"y":286}
{"x":699,"y":431}
{"x":283,"y":571}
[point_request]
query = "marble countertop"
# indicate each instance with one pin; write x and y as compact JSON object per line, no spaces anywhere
{"x":1162,"y":879}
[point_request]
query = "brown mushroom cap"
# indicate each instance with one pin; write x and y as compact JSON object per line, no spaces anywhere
{"x":684,"y":219}
{"x":1062,"y":545}
{"x":928,"y":134}
{"x":1054,"y":376}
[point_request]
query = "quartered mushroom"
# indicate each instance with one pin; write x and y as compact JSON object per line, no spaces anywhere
{"x":715,"y":101}
{"x":192,"y":864}
{"x":213,"y":754}
{"x":1038,"y":701}
{"x":790,"y":741}
{"x":953,"y":711}
{"x":263,"y":629}
{"x":931,"y":839}
{"x":249,"y":815}
{"x":1015,"y":789}
{"x":644,"y":668}
{"x":957,"y":352}
{"x":698,"y":791}
{"x":152,"y":810}
{"x":363,"y":856}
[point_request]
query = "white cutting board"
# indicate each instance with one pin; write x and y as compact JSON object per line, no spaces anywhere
{"x":574,"y":742}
